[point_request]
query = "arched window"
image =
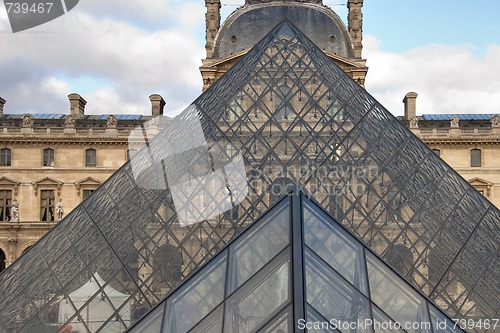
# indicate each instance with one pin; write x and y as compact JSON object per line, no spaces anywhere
{"x":400,"y":258}
{"x":5,"y":157}
{"x":48,"y":157}
{"x":3,"y":258}
{"x":27,"y":249}
{"x":168,"y":259}
{"x":131,"y":153}
{"x":475,"y":157}
{"x":5,"y":205}
{"x":90,"y":158}
{"x":283,"y":108}
{"x":234,"y":111}
{"x":437,"y":152}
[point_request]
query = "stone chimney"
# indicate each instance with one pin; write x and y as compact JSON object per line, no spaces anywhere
{"x":76,"y":106}
{"x":2,"y":103}
{"x":410,"y":102}
{"x":157,"y":105}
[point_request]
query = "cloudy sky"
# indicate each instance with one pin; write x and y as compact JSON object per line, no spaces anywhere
{"x":115,"y":53}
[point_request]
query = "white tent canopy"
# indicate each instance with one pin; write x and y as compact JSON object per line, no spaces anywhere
{"x":98,"y":310}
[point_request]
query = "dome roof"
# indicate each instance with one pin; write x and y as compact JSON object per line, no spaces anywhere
{"x":248,"y":25}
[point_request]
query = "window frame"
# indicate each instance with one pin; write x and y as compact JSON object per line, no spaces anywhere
{"x":91,"y":190}
{"x":49,"y":157}
{"x":475,"y":158}
{"x":6,"y":205}
{"x":44,"y":209}
{"x":90,"y":161}
{"x":5,"y":157}
{"x":436,"y":151}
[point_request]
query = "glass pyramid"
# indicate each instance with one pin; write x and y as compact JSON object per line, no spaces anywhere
{"x":285,"y":114}
{"x":295,"y":268}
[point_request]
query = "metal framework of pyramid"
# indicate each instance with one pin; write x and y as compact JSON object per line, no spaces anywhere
{"x":289,"y":115}
{"x":296,"y":262}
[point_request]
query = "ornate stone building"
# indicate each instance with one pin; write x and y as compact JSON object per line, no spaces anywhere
{"x":470,"y":143}
{"x":246,"y":26}
{"x":284,"y":115}
{"x":50,"y":163}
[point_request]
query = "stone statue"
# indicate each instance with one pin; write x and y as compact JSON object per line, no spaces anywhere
{"x":27,"y":120}
{"x":454,"y":121}
{"x":213,"y":23}
{"x":70,"y":121}
{"x":60,"y":209}
{"x":354,"y":24}
{"x":495,"y":121}
{"x":414,"y":122}
{"x":112,"y":121}
{"x":15,"y":211}
{"x":153,"y":122}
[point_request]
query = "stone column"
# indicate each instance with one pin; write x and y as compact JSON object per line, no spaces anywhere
{"x":77,"y":106}
{"x":495,"y":124}
{"x":212,"y":20}
{"x":355,"y":26}
{"x":2,"y":103}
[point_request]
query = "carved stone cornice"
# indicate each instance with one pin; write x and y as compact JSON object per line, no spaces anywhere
{"x":49,"y":183}
{"x":86,"y":183}
{"x":6,"y":182}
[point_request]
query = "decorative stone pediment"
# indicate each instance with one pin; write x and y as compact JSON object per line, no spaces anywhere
{"x":47,"y":182}
{"x":481,"y":185}
{"x":86,"y":183}
{"x":8,"y":183}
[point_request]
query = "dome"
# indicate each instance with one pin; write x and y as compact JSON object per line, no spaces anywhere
{"x":248,"y":25}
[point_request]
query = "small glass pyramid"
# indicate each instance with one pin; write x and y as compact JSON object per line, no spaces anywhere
{"x":295,"y":268}
{"x":285,"y":114}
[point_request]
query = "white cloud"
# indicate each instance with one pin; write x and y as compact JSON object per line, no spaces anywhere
{"x":134,"y":62}
{"x":448,"y":79}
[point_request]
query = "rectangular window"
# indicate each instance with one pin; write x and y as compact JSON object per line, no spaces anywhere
{"x":48,"y":157}
{"x":5,"y":205}
{"x":475,"y":158}
{"x":87,"y":193}
{"x":47,"y":205}
{"x":90,"y":158}
{"x":5,"y":157}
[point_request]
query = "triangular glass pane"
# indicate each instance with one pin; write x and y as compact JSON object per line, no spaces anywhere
{"x":197,"y":298}
{"x":152,"y":323}
{"x":282,"y":323}
{"x":316,"y":323}
{"x":393,"y":296}
{"x":262,"y":291}
{"x":330,"y":242}
{"x":332,"y":297}
{"x":261,"y":298}
{"x":259,"y":246}
{"x":212,"y":323}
